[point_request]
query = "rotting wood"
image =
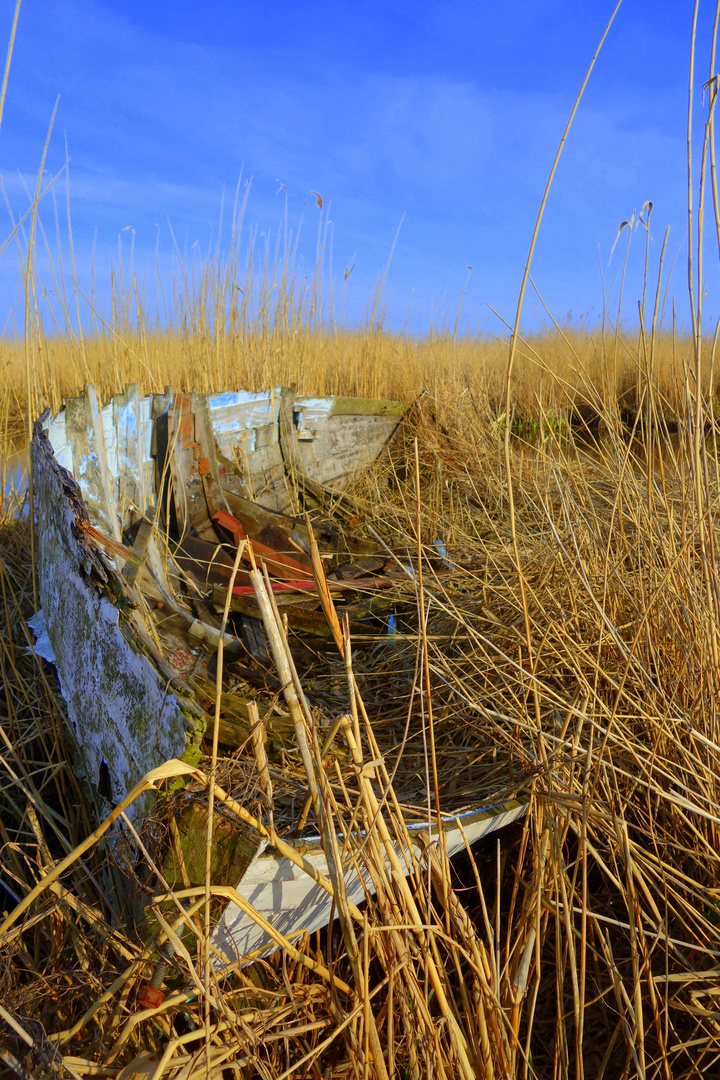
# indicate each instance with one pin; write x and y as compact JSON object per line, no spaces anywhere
{"x":285,"y":533}
{"x":116,"y":698}
{"x":349,"y":406}
{"x":180,"y":557}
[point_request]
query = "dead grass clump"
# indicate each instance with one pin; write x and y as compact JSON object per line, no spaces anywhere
{"x":583,"y":941}
{"x":561,"y":373}
{"x":570,"y":657}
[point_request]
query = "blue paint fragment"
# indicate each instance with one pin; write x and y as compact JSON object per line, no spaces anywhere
{"x":442,"y":552}
{"x":300,"y":542}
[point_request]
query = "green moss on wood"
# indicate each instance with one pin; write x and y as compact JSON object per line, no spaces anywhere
{"x":233,"y":848}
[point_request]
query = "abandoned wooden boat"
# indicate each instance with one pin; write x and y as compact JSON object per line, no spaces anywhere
{"x":101,"y":474}
{"x":141,"y":505}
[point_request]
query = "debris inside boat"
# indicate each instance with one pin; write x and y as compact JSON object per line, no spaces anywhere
{"x":205,"y":573}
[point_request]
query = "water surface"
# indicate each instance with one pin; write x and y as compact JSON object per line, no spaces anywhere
{"x":14,"y":473}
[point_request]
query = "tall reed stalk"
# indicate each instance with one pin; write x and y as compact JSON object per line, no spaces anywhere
{"x":571,"y":658}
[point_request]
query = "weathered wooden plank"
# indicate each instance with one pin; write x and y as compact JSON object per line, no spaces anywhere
{"x":150,"y":571}
{"x":245,"y":426}
{"x":280,"y":564}
{"x":328,"y":440}
{"x":234,"y":846}
{"x":123,"y":715}
{"x":291,"y":901}
{"x":56,"y":430}
{"x":159,"y":407}
{"x":288,"y":436}
{"x":208,"y":563}
{"x":265,"y":479}
{"x":349,"y":406}
{"x":133,"y":429}
{"x":84,"y":426}
{"x":324,"y":439}
{"x":187,"y":466}
{"x":312,"y":411}
{"x":285,"y":533}
{"x":342,"y":446}
{"x":270,"y":528}
{"x":206,"y":461}
{"x":237,"y":418}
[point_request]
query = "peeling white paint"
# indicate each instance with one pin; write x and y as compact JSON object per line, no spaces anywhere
{"x":57,"y":434}
{"x":237,"y":416}
{"x":292,"y":902}
{"x":120,"y":707}
{"x":42,"y":646}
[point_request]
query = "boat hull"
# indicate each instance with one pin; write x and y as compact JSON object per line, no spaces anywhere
{"x":101,"y":472}
{"x":124,"y":718}
{"x":105,"y":467}
{"x":293,"y":903}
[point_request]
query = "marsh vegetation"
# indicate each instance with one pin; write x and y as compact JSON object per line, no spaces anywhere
{"x":574,"y":655}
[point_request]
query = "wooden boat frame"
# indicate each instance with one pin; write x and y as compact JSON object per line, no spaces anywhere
{"x":96,"y":471}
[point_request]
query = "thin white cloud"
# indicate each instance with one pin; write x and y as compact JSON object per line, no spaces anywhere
{"x":158,"y":127}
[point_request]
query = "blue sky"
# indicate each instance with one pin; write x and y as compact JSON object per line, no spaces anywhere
{"x":445,"y":116}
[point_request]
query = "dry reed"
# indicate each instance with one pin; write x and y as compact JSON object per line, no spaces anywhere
{"x":584,"y":942}
{"x":573,"y":656}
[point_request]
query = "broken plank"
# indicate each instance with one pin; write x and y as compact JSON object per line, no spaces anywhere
{"x":349,"y":406}
{"x":186,"y":468}
{"x":85,"y":433}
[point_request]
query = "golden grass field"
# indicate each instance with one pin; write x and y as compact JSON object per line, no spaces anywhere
{"x":581,"y":374}
{"x":573,"y":658}
{"x":583,"y":675}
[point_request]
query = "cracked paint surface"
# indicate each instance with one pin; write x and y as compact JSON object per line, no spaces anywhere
{"x":117,"y":701}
